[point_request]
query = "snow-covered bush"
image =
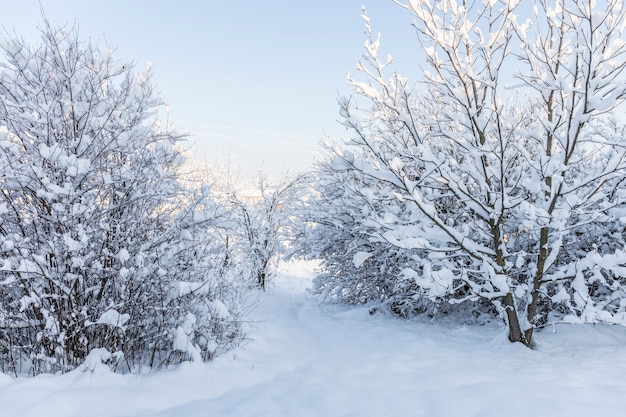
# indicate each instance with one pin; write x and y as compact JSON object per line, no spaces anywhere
{"x":100,"y":245}
{"x":355,"y":270}
{"x":506,"y":193}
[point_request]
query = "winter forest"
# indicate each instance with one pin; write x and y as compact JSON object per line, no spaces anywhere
{"x":486,"y":190}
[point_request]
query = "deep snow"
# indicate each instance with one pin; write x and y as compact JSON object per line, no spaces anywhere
{"x":305,"y":358}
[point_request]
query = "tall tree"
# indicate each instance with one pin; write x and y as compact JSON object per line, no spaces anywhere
{"x":491,"y":188}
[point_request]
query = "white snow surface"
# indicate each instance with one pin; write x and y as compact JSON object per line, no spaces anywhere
{"x":304,"y":358}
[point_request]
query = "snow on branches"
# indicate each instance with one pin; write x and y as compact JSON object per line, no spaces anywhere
{"x":96,"y":230}
{"x":507,"y":195}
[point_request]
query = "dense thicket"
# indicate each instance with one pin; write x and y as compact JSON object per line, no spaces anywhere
{"x":101,"y":248}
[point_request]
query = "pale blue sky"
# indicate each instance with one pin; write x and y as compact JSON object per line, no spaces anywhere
{"x":259,"y":79}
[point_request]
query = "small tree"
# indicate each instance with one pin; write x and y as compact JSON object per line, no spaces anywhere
{"x":264,"y":223}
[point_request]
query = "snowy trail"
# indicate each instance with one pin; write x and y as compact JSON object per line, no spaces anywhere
{"x":308,"y":359}
{"x":326,"y":360}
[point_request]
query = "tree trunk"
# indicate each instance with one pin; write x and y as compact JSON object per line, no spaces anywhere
{"x":531,"y":312}
{"x":261,"y":278}
{"x":515,"y":330}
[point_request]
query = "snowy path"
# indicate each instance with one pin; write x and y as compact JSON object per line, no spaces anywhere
{"x":308,"y":359}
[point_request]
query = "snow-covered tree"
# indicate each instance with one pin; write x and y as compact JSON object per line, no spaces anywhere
{"x":100,"y":246}
{"x":496,"y":189}
{"x":263,"y":219}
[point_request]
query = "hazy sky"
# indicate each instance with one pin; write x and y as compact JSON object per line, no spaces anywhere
{"x":258,"y":79}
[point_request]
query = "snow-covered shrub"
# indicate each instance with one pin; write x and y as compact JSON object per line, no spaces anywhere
{"x":97,"y":235}
{"x":355,"y":270}
{"x":509,"y":195}
{"x":359,"y":269}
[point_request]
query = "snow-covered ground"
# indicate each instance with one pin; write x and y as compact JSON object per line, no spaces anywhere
{"x":310,"y":359}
